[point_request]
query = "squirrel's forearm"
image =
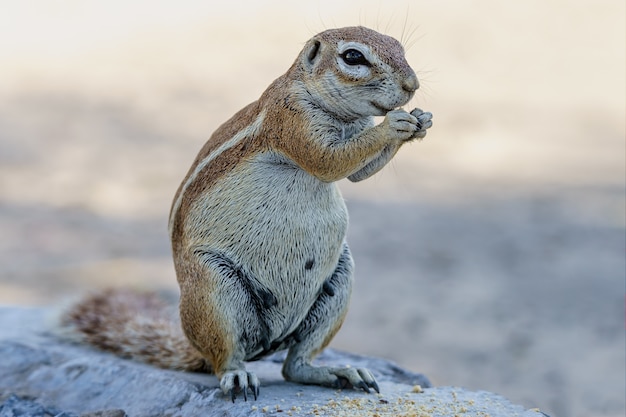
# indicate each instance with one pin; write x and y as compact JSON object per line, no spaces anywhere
{"x":375,"y":164}
{"x":332,"y":157}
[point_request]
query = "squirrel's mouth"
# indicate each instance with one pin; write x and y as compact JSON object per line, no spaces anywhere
{"x":382,"y":109}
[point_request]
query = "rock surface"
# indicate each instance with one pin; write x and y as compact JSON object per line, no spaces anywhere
{"x":42,"y":375}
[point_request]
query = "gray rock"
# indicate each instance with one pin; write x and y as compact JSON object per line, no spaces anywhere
{"x":42,"y":375}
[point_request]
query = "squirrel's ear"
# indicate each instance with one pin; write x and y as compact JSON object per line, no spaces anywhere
{"x":312,"y":52}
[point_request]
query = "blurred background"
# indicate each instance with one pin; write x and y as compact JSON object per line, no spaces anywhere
{"x":491,"y":255}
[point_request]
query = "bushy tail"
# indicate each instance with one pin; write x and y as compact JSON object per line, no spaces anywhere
{"x":134,"y":325}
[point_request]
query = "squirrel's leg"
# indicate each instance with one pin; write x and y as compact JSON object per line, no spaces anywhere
{"x":217,"y":302}
{"x":318,"y":328}
{"x":423,"y":122}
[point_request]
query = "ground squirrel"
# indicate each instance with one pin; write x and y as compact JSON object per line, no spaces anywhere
{"x":258,"y":225}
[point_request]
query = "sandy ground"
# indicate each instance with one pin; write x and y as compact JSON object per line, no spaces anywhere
{"x":491,"y":255}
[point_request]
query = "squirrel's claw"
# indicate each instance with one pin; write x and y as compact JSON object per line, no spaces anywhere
{"x":374,"y":385}
{"x":362,"y":385}
{"x":368,"y":380}
{"x":253,"y":383}
{"x":255,"y":390}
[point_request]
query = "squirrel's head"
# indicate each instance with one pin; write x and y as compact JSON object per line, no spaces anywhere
{"x":356,"y":72}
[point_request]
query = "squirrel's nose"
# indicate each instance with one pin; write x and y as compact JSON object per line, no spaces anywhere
{"x":410,"y":83}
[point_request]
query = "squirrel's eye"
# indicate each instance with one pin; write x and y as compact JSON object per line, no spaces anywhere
{"x":354,"y":57}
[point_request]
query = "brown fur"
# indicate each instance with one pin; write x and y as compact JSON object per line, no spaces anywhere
{"x":217,"y":168}
{"x":136,"y":326}
{"x":258,"y":226}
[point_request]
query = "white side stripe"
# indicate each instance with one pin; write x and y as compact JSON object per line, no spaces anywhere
{"x":249,"y":131}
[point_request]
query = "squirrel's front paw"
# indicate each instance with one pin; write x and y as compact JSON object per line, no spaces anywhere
{"x":402,"y":125}
{"x":424,"y":121}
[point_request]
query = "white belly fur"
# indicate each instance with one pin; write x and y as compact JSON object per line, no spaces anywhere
{"x":274,"y":220}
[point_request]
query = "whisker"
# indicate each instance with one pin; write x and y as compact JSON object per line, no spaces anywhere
{"x":321,"y":19}
{"x":389,"y":22}
{"x":411,"y":42}
{"x":309,"y":28}
{"x":378,"y":18}
{"x":406,"y":20}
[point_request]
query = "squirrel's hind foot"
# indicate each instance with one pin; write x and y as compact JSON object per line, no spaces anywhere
{"x":358,"y":378}
{"x":239,"y":381}
{"x":334,"y":377}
